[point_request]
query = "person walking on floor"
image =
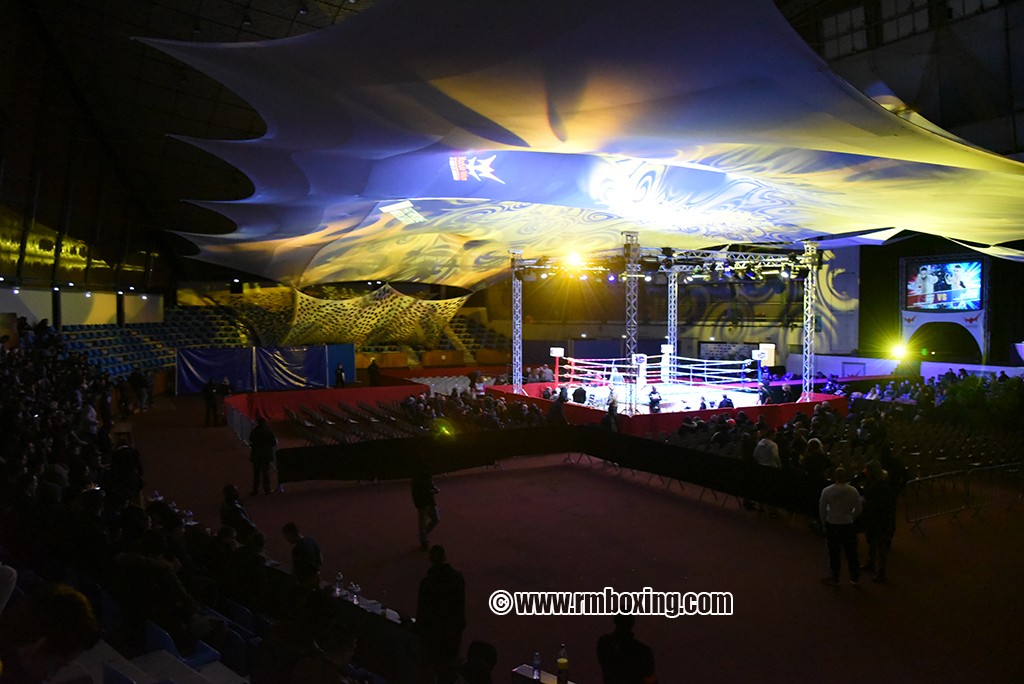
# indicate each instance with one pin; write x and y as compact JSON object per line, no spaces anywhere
{"x":423,"y":493}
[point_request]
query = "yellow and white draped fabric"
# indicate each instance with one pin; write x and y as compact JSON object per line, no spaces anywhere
{"x":420,"y":141}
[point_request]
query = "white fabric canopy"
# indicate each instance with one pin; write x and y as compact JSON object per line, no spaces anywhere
{"x":551,"y":127}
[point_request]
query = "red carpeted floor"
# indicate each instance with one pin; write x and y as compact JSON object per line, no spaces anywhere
{"x":952,"y":611}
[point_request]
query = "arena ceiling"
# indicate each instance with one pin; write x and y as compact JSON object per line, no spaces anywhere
{"x":422,"y":141}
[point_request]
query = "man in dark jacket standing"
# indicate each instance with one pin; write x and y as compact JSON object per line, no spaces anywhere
{"x":624,"y":659}
{"x":441,"y":616}
{"x":263,"y":445}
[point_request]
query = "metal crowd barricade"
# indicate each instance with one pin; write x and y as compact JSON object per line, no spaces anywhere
{"x":935,"y":496}
{"x":954,"y":492}
{"x":996,"y":485}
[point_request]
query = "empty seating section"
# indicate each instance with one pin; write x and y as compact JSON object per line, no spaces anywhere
{"x":930,"y":448}
{"x":444,"y":384}
{"x":475,"y":336}
{"x":151,"y":346}
{"x":346,"y":424}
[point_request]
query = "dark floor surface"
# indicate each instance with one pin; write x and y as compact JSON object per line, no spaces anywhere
{"x":952,"y":610}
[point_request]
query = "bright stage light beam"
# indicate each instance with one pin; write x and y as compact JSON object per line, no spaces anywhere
{"x":898,"y":351}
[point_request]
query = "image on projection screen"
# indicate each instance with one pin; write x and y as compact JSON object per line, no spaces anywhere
{"x":943,"y":285}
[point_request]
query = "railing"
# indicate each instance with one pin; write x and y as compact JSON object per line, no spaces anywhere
{"x":953,"y":493}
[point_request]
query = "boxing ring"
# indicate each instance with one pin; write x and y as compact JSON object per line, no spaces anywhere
{"x":684,"y":384}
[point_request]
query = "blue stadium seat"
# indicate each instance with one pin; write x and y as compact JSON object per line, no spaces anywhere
{"x":159,"y":640}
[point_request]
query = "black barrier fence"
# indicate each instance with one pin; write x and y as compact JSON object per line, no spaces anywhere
{"x":400,"y":458}
{"x":390,"y":650}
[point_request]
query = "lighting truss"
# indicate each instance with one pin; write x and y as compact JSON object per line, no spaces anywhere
{"x":688,"y":265}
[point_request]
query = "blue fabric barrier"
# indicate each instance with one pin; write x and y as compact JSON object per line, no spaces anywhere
{"x":196,"y":366}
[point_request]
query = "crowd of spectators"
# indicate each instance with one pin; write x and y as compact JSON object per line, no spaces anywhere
{"x":73,"y":512}
{"x":983,"y":400}
{"x":469,"y":411}
{"x":72,"y":504}
{"x":76,"y":529}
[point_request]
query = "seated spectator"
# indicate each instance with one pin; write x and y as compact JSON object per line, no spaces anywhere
{"x":332,"y":663}
{"x":293,"y":639}
{"x":481,"y":657}
{"x":222,"y":551}
{"x":146,"y":587}
{"x":247,"y":574}
{"x":45,"y":632}
{"x":233,"y":514}
{"x":8,"y":580}
{"x":124,"y":476}
{"x":306,"y":558}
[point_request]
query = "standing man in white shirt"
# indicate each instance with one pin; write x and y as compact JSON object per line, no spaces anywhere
{"x":838,"y":508}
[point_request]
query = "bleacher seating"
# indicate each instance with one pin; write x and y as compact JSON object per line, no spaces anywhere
{"x":151,"y":346}
{"x":475,"y":336}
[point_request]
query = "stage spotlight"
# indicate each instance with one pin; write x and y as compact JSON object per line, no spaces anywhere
{"x":611,"y":278}
{"x":583,"y":276}
{"x":525,"y":275}
{"x":573,"y":261}
{"x":650,"y":263}
{"x":647,"y":278}
{"x":898,"y":351}
{"x":543,"y":276}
